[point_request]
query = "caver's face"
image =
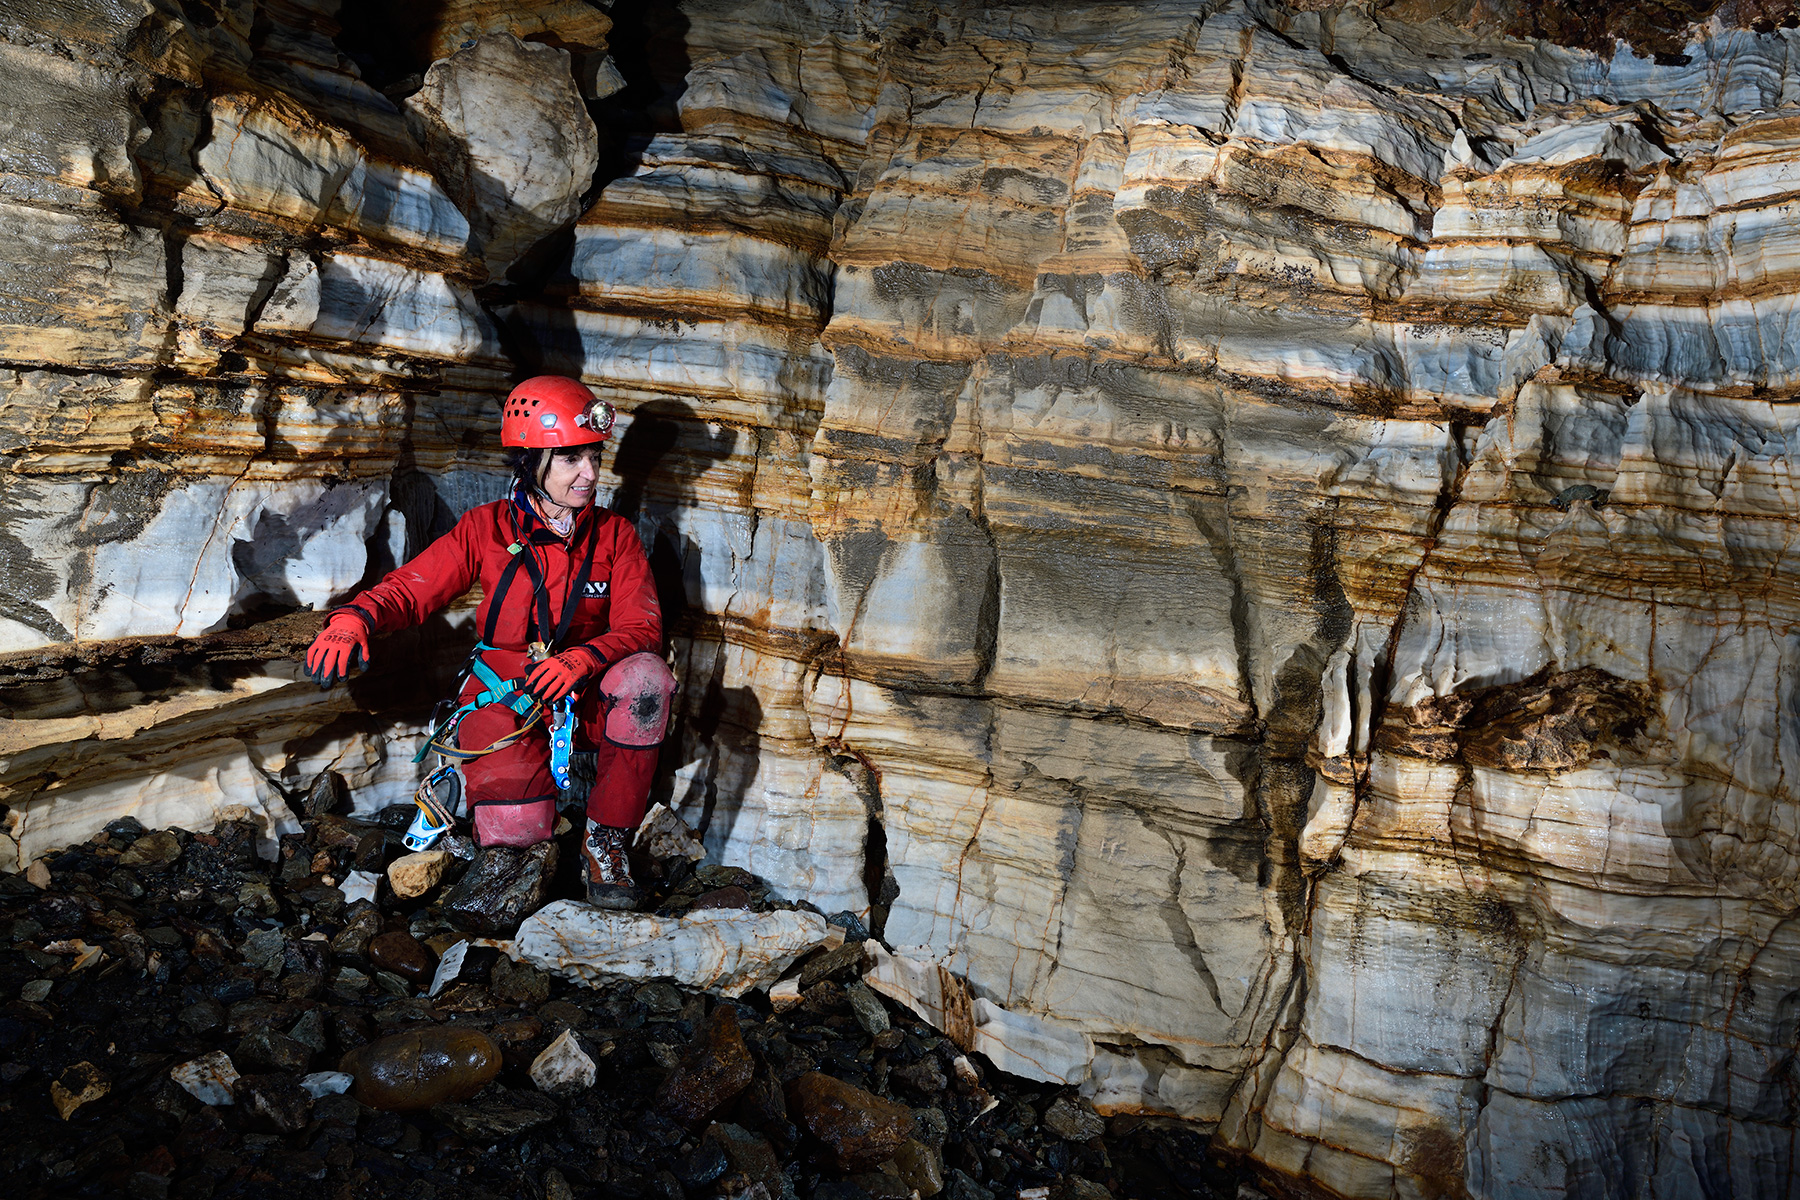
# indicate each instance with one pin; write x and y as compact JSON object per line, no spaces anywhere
{"x":571,"y":476}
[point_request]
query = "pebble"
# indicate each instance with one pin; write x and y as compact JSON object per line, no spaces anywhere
{"x":413,"y":875}
{"x":402,"y":954}
{"x":407,"y":1072}
{"x":564,"y":1068}
{"x":35,"y":991}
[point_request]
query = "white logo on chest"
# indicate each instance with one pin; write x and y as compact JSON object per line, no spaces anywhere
{"x":594,"y":589}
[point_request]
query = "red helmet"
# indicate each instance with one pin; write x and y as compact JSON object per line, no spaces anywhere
{"x":555,"y":411}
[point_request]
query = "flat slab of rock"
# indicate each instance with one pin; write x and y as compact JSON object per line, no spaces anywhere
{"x":725,"y":950}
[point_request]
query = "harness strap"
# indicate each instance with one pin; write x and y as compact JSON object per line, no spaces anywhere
{"x":511,"y":692}
{"x":553,"y":635}
{"x":508,"y":692}
{"x":490,"y":629}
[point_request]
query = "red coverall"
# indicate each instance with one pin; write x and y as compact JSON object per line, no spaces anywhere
{"x":616,"y":621}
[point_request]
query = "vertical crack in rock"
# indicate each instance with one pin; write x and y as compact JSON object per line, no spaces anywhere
{"x":1174,"y":913}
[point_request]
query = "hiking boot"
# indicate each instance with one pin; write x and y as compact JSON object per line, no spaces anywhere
{"x":609,"y":882}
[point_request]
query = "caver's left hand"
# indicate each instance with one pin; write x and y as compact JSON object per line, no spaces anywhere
{"x":555,"y":678}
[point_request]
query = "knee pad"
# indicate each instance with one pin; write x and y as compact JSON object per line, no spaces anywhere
{"x":514,"y":822}
{"x":637,"y":691}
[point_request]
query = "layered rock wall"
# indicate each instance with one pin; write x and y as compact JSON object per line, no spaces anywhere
{"x":1254,"y":543}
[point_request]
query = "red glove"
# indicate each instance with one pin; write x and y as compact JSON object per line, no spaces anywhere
{"x":555,"y":678}
{"x":341,"y":645}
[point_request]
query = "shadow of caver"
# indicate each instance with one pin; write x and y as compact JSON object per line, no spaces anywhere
{"x":711,"y":757}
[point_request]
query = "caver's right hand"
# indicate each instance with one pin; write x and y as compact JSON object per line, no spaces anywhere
{"x":341,"y":645}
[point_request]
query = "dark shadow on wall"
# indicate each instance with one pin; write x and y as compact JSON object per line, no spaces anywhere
{"x":648,"y":45}
{"x":718,"y":737}
{"x":389,"y":40}
{"x":666,"y":446}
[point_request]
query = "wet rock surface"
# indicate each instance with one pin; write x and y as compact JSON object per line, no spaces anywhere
{"x":193,"y":1055}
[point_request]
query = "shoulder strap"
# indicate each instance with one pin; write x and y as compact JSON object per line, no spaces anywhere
{"x":579,"y":584}
{"x":520,"y":552}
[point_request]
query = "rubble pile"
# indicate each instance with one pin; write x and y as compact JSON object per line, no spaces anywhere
{"x":183,"y":1019}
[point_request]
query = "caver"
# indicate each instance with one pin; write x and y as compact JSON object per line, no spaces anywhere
{"x":570,"y":649}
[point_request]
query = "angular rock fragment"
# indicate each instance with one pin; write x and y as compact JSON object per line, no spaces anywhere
{"x":748,"y":1154}
{"x":321,"y":1084}
{"x":501,"y":888}
{"x":208,"y":1079}
{"x":497,"y":1113}
{"x":831,"y":964}
{"x":362,"y":924}
{"x":920,"y":1167}
{"x":267,"y":1051}
{"x":80,"y":1084}
{"x":713,"y":1072}
{"x":861,"y":1129}
{"x":360,"y":885}
{"x":871,"y":1014}
{"x":564,"y":1068}
{"x":408,"y":1072}
{"x":275,"y":1101}
{"x":785,"y":994}
{"x":663,"y":835}
{"x":1073,"y":1121}
{"x":329,"y":795}
{"x":725,"y":897}
{"x":151,"y":852}
{"x":510,"y":137}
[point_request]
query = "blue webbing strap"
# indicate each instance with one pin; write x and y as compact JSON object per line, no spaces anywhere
{"x":509,"y":692}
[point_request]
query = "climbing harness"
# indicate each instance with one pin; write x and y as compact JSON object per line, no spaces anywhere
{"x":435,"y":817}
